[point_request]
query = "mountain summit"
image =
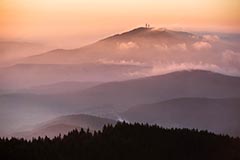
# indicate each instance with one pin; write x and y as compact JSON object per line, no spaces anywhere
{"x":149,"y":33}
{"x":139,"y":44}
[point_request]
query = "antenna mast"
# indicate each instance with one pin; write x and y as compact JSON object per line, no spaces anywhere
{"x":147,"y":25}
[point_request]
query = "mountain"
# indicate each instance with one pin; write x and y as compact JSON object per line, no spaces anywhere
{"x":151,"y":34}
{"x":30,"y":75}
{"x":194,"y":83}
{"x":150,"y":46}
{"x":136,"y":53}
{"x":112,"y":98}
{"x":12,"y":50}
{"x":139,"y":44}
{"x":215,"y":115}
{"x":60,"y":87}
{"x":64,"y":124}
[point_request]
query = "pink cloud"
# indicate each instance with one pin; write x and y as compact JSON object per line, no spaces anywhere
{"x":161,"y":47}
{"x":231,"y":58}
{"x":201,"y":45}
{"x":120,"y":62}
{"x":182,"y":46}
{"x":211,"y":38}
{"x":128,"y":45}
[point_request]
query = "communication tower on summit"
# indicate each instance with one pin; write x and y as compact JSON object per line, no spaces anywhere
{"x":147,"y":25}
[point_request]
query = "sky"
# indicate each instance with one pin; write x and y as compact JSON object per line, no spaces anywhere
{"x":82,"y":21}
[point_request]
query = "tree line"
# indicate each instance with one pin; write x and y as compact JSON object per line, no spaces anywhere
{"x":124,"y":141}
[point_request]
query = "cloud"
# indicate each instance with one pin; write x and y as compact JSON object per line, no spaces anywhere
{"x":211,"y":38}
{"x":159,"y":69}
{"x":161,"y":47}
{"x":231,"y":59}
{"x":120,"y":62}
{"x":120,"y":119}
{"x":128,"y":45}
{"x":201,"y":45}
{"x":165,"y":47}
{"x":162,"y":69}
{"x":194,"y":36}
{"x":231,"y":62}
{"x":231,"y":56}
{"x":182,"y":46}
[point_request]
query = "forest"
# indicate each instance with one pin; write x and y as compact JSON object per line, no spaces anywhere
{"x":124,"y":141}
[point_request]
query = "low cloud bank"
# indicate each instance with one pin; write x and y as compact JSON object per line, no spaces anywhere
{"x":211,"y":38}
{"x":120,"y":62}
{"x":128,"y":45}
{"x":159,"y":69}
{"x":201,"y":45}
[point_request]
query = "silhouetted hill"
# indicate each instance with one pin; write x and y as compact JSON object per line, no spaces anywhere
{"x":215,"y":115}
{"x":125,"y":141}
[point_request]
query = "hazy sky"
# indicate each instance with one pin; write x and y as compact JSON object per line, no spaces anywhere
{"x":85,"y":20}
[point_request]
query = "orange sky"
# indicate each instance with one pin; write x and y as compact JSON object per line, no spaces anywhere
{"x":62,"y":19}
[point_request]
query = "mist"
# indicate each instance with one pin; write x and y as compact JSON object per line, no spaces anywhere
{"x":109,"y":76}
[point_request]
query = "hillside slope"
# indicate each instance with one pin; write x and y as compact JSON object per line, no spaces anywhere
{"x":215,"y":115}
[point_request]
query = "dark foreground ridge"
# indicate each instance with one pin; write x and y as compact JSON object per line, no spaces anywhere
{"x":125,"y":141}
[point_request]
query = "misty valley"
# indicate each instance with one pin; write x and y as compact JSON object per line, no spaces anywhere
{"x":171,"y":86}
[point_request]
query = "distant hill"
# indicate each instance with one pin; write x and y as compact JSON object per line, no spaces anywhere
{"x":111,"y":99}
{"x":125,"y":141}
{"x":30,"y":75}
{"x":12,"y":50}
{"x":215,"y":115}
{"x":64,"y":124}
{"x":60,"y":87}
{"x":195,"y":83}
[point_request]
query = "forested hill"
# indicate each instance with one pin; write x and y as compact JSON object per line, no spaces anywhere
{"x":125,"y":141}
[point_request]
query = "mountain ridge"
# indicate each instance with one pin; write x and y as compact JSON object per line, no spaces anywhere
{"x":190,"y":112}
{"x":113,"y":45}
{"x":113,"y":98}
{"x":143,"y":31}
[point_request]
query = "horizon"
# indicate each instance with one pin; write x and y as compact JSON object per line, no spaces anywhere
{"x":90,"y":39}
{"x":172,"y":63}
{"x":69,"y":23}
